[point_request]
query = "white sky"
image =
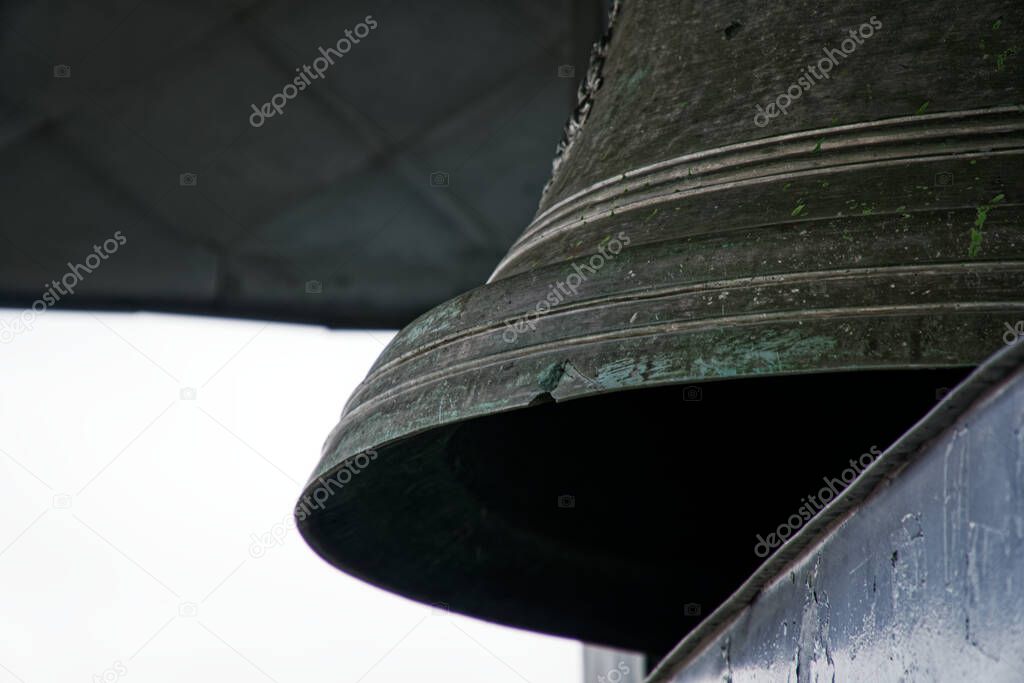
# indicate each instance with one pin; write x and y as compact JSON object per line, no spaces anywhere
{"x":126,"y":508}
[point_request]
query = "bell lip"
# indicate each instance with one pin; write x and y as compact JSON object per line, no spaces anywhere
{"x":422,"y":592}
{"x":349,"y":438}
{"x":306,"y":532}
{"x":333,"y":444}
{"x":458,"y":336}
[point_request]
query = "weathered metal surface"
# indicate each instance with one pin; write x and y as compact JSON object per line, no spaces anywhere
{"x":684,"y":77}
{"x":681,"y":243}
{"x":916,"y":573}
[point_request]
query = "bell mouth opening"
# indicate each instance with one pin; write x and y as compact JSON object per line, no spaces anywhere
{"x":617,"y":519}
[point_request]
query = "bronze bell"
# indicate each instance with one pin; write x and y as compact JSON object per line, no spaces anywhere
{"x":774,"y":234}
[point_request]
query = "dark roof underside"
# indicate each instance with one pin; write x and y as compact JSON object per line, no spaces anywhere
{"x":336,"y":190}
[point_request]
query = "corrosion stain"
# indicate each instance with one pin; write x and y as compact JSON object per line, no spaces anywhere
{"x":551,"y":376}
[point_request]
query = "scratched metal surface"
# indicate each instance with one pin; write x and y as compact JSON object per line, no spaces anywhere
{"x":922,"y":582}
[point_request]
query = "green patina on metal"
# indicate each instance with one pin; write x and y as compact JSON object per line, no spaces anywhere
{"x":551,"y":376}
{"x":631,"y":371}
{"x":979,"y":224}
{"x":772,"y":354}
{"x":439,"y":318}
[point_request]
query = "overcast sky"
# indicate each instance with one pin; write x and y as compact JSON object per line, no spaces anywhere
{"x":130,"y":511}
